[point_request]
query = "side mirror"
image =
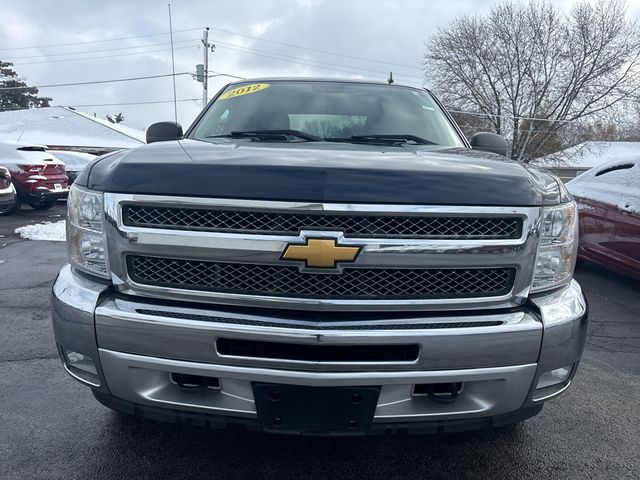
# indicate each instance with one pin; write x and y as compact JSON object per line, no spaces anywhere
{"x":164,"y":132}
{"x":489,"y":142}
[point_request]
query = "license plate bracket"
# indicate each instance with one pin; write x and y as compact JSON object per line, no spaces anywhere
{"x":315,"y":410}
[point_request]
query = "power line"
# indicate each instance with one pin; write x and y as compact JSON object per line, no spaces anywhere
{"x":100,"y":41}
{"x":314,"y":65}
{"x":266,"y":54}
{"x":115,"y":80}
{"x":525,"y":131}
{"x":274,"y":56}
{"x":86,"y":59}
{"x":295,"y":59}
{"x":118,"y":104}
{"x":353,"y":57}
{"x":115,"y":104}
{"x":327,"y":52}
{"x":512,"y":117}
{"x":87,"y":52}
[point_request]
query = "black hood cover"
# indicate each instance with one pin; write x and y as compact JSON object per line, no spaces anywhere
{"x":322,"y":172}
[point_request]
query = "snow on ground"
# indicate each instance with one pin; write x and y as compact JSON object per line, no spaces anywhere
{"x":43,"y":231}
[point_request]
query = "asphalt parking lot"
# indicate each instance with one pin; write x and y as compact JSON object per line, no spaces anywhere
{"x":51,"y":427}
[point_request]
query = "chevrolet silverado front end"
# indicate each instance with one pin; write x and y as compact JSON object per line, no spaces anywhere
{"x":308,"y":269}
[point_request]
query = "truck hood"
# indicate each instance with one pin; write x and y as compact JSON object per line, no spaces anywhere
{"x":322,"y":172}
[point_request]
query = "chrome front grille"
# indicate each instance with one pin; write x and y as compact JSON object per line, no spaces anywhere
{"x":353,"y":225}
{"x":358,"y":324}
{"x":411,"y":257}
{"x":352,"y":283}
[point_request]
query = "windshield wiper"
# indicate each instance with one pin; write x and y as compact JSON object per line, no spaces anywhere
{"x":270,"y":135}
{"x":384,"y":138}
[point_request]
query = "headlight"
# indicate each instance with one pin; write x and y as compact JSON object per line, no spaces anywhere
{"x":85,"y":233}
{"x":558,"y":246}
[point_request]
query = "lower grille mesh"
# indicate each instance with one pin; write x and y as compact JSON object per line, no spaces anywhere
{"x":352,"y":283}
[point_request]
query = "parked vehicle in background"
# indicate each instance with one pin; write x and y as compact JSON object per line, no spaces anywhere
{"x":74,"y":162}
{"x":608,"y":198}
{"x":8,"y":197}
{"x":38,"y":176}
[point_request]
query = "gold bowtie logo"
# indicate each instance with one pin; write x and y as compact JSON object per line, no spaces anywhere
{"x":320,"y":253}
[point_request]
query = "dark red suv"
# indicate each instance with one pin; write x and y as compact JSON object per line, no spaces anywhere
{"x":38,"y":176}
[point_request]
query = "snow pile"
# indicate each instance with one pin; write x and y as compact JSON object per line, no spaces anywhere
{"x":54,"y":232}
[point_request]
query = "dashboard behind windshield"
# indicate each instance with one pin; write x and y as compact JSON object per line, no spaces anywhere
{"x":331,"y":111}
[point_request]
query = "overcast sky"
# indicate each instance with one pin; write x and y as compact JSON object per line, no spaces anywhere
{"x":329,"y":38}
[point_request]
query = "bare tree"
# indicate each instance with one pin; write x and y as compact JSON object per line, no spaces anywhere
{"x":532,"y":70}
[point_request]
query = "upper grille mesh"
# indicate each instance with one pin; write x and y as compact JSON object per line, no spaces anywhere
{"x":353,"y":225}
{"x":352,"y":283}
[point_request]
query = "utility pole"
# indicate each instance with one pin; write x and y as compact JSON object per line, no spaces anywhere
{"x":205,"y":79}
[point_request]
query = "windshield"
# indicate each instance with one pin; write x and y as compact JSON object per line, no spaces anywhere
{"x":327,"y":111}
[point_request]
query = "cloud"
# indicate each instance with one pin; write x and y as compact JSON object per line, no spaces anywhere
{"x":272,"y":38}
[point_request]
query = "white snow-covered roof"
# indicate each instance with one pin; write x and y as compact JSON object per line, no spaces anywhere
{"x":118,"y":127}
{"x":589,"y":154}
{"x":63,"y":126}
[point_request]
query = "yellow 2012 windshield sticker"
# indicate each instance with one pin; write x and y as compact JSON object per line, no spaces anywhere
{"x":244,"y":90}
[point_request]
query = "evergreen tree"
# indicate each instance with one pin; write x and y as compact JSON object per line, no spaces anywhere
{"x":20,"y":97}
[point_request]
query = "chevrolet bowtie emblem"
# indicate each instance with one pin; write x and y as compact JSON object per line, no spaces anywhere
{"x":320,"y":253}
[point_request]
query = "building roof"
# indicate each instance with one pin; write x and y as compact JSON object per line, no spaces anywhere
{"x":66,"y":127}
{"x":589,"y":154}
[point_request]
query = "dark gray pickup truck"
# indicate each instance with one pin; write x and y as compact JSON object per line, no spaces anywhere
{"x":320,"y":257}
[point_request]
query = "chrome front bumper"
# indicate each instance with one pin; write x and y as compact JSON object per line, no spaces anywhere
{"x":136,"y":344}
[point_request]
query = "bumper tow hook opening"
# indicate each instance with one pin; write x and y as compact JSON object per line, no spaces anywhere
{"x":193,"y":382}
{"x":444,"y":393}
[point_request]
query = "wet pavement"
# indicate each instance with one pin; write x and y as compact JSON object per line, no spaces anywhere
{"x":51,"y":427}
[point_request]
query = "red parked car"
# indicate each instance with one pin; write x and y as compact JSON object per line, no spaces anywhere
{"x":608,"y":199}
{"x":38,"y":176}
